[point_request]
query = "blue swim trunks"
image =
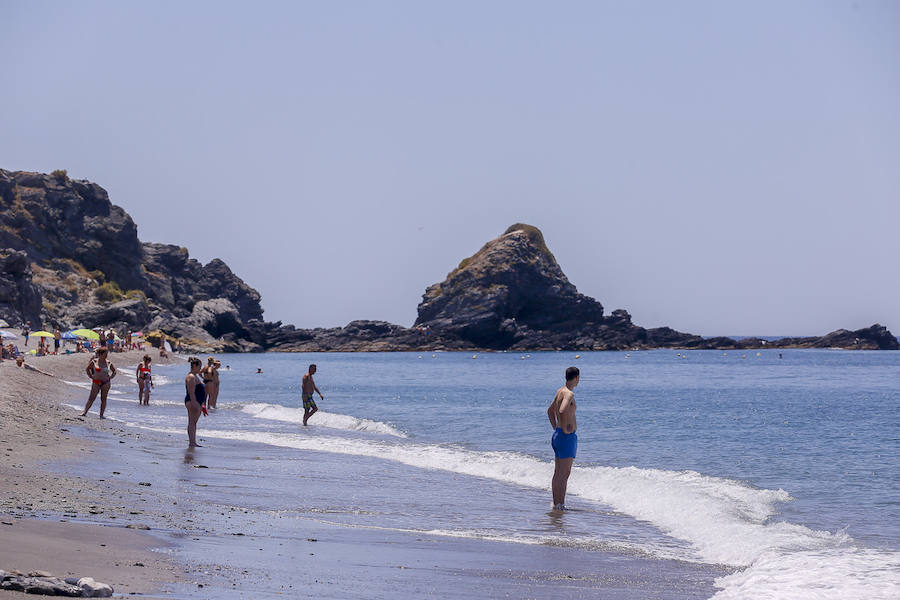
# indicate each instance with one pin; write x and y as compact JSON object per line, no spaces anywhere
{"x":564,"y":444}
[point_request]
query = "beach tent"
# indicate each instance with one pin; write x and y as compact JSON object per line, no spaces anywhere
{"x":41,"y":334}
{"x":69,"y":335}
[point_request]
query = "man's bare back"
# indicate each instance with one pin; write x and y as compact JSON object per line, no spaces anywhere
{"x":563,"y":408}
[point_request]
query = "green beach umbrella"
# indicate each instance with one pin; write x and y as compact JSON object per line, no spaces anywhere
{"x":87,"y":333}
{"x":40,"y":334}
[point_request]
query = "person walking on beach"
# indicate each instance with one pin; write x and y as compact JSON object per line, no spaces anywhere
{"x":101,"y":372}
{"x":144,"y":380}
{"x":194,"y":399}
{"x":26,"y":331}
{"x":564,"y":441}
{"x":307,"y":388}
{"x":57,"y":336}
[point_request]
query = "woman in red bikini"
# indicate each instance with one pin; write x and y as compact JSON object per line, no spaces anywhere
{"x":101,"y":372}
{"x":144,"y":380}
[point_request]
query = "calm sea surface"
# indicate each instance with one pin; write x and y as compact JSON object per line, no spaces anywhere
{"x":781,"y":470}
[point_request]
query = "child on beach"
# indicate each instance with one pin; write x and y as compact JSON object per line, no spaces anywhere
{"x":308,"y":386}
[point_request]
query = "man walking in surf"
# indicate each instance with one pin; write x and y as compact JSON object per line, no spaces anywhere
{"x":564,"y":441}
{"x":307,"y":389}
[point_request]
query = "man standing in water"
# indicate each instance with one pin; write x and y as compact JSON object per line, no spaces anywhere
{"x":564,"y":441}
{"x":307,"y":389}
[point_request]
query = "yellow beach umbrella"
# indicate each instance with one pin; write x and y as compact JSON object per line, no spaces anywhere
{"x":87,"y":333}
{"x":40,"y":334}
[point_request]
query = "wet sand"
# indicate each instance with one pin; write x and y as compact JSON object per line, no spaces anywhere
{"x":39,"y":507}
{"x":71,"y":486}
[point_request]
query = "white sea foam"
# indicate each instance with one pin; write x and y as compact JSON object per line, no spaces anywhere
{"x":724,"y":521}
{"x":322,"y":419}
{"x":838,"y":574}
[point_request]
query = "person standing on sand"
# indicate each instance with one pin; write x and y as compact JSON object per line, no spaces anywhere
{"x":144,"y":380}
{"x":194,"y":399}
{"x":57,"y":336}
{"x":26,"y":331}
{"x":307,"y":388}
{"x":101,"y":372}
{"x":564,"y":441}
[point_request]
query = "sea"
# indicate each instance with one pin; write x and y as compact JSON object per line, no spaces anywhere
{"x":702,"y":474}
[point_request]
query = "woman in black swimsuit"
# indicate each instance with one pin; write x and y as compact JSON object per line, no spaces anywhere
{"x":194,"y":399}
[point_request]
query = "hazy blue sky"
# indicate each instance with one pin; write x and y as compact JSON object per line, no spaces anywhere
{"x":718,"y":167}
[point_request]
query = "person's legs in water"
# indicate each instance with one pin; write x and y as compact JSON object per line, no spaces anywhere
{"x":560,"y":480}
{"x":309,"y":408}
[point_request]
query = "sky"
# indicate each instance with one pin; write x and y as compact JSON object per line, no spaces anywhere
{"x":723,"y":168}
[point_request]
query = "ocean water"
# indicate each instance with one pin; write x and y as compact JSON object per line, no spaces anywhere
{"x":757,"y":474}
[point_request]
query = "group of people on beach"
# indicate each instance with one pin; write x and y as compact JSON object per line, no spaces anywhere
{"x":202,"y":390}
{"x":101,"y":371}
{"x":107,"y":338}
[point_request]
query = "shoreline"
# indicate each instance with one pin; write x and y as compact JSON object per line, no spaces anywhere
{"x":39,"y":506}
{"x":86,"y":480}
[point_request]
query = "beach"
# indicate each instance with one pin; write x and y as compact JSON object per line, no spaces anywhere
{"x":395,"y":490}
{"x":34,"y":431}
{"x":85,"y":481}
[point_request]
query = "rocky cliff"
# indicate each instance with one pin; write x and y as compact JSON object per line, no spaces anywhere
{"x":71,"y":258}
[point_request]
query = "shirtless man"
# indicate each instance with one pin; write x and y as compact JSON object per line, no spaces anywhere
{"x":307,"y":389}
{"x":564,"y":441}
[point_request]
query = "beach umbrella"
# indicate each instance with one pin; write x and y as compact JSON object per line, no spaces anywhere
{"x":137,"y":334}
{"x":41,"y":334}
{"x":69,"y":336}
{"x":8,"y":335}
{"x":3,"y":323}
{"x":87,"y":333}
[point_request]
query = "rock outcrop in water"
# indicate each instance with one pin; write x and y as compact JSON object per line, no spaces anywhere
{"x":71,"y":258}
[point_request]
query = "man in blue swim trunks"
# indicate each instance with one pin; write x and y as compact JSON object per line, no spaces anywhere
{"x":564,"y":441}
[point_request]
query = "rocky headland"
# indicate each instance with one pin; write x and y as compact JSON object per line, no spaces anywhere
{"x":71,"y":258}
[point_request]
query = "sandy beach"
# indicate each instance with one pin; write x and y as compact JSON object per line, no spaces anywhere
{"x":85,"y":481}
{"x":40,"y":509}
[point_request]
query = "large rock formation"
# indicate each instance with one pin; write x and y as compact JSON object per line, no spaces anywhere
{"x":75,"y":260}
{"x":70,"y":258}
{"x":508,"y":289}
{"x":512,"y":294}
